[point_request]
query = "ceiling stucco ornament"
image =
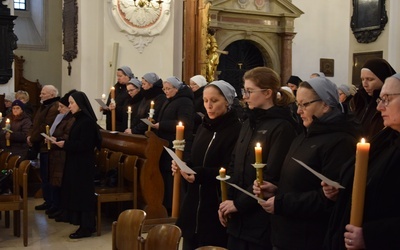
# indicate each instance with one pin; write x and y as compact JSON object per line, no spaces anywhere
{"x":243,"y":3}
{"x":140,"y":24}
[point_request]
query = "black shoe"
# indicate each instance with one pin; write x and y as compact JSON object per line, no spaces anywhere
{"x":55,"y":214}
{"x":43,"y":206}
{"x":51,"y":210}
{"x":61,"y":218}
{"x":80,"y":233}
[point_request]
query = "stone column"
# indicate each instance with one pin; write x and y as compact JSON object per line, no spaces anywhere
{"x":286,"y":56}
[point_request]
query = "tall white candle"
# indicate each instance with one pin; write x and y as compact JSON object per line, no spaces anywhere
{"x":129,"y":117}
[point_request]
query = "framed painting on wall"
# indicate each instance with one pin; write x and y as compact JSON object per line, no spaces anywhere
{"x":359,"y":60}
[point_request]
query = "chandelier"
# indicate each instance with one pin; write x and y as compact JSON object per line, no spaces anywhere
{"x":147,"y":3}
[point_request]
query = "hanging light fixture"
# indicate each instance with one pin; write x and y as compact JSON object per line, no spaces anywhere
{"x":147,"y":3}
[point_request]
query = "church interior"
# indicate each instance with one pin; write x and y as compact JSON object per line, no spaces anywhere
{"x":80,"y":44}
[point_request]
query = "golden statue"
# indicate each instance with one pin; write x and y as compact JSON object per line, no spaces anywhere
{"x":212,"y":56}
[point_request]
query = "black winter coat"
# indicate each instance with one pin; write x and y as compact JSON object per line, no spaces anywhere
{"x":381,"y":208}
{"x":212,"y":149}
{"x":78,"y":178}
{"x":274,"y":129}
{"x":121,"y":96}
{"x":20,"y":126}
{"x":364,"y":108}
{"x":155,"y":94}
{"x":301,"y":216}
{"x":177,"y":109}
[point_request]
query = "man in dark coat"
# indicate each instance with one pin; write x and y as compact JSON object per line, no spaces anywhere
{"x":45,"y":116}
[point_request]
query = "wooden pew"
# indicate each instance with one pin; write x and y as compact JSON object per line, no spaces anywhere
{"x":148,"y":148}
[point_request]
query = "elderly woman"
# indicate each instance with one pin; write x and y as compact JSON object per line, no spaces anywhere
{"x":20,"y":123}
{"x":380,"y":227}
{"x":300,"y":218}
{"x":373,"y":74}
{"x":197,"y":84}
{"x":211,"y":150}
{"x":177,"y":108}
{"x":270,"y":123}
{"x":124,"y":74}
{"x":152,"y":91}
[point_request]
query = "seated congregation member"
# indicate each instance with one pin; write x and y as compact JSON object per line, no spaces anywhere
{"x":23,"y":96}
{"x":197,"y":84}
{"x":133,"y":88}
{"x":20,"y":123}
{"x":152,"y":91}
{"x":380,"y":225}
{"x":177,"y":108}
{"x":124,"y":74}
{"x":78,"y":200}
{"x":363,"y":104}
{"x":59,"y":130}
{"x":269,"y":123}
{"x":212,"y":146}
{"x":8,"y":100}
{"x":298,"y":207}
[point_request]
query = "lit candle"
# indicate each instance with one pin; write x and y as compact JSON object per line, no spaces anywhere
{"x":1,"y":115}
{"x":258,"y":151}
{"x":112,"y":93}
{"x":359,"y":183}
{"x":152,"y":105}
{"x":8,"y":127}
{"x":222,"y":175}
{"x":179,"y":131}
{"x":129,"y":116}
{"x":113,"y":115}
{"x":48,"y":133}
{"x":177,"y":177}
{"x":103,"y":97}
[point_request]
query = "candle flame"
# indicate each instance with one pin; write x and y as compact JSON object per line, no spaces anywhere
{"x":362,"y":140}
{"x":180,"y":124}
{"x":152,"y":102}
{"x":8,"y":120}
{"x":258,"y":145}
{"x":112,"y":88}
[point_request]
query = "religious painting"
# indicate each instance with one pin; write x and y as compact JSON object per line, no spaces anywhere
{"x":368,"y":20}
{"x":327,"y":66}
{"x":359,"y":60}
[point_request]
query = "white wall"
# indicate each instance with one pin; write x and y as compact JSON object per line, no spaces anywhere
{"x":322,"y":32}
{"x":97,"y":33}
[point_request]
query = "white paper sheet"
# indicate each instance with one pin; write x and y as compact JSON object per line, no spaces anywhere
{"x":180,"y":163}
{"x":48,"y":137}
{"x":102,"y":104}
{"x":246,"y":192}
{"x":320,"y":176}
{"x":148,"y":123}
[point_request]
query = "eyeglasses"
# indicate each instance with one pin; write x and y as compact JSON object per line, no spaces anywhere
{"x":306,"y":104}
{"x":385,"y":99}
{"x":246,"y":92}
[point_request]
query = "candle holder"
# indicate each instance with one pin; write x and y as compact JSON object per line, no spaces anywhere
{"x":151,"y":113}
{"x":259,"y":173}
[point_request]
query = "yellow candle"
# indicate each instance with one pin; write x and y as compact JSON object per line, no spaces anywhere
{"x":112,"y":93}
{"x":48,"y":133}
{"x":8,"y":127}
{"x":222,"y":174}
{"x":1,"y":115}
{"x":359,"y":183}
{"x":152,"y":105}
{"x":177,"y":177}
{"x":258,"y":151}
{"x":179,"y":131}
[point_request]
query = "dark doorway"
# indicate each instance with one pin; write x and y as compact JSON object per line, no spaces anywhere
{"x":243,"y":55}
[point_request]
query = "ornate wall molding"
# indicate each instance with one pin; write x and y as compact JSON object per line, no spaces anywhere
{"x":141,"y":25}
